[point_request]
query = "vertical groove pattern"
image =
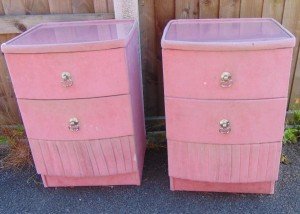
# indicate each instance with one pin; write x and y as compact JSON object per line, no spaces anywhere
{"x":84,"y":158}
{"x":224,"y":163}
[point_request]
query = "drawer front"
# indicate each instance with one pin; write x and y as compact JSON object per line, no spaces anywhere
{"x":69,"y":75}
{"x":98,"y":118}
{"x":224,"y":163}
{"x":227,"y":75}
{"x":202,"y":121}
{"x":84,"y":158}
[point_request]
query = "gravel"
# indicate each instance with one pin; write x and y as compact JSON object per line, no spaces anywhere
{"x":22,"y":192}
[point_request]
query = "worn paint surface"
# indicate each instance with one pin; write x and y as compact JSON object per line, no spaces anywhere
{"x":202,"y":155}
{"x":105,"y":97}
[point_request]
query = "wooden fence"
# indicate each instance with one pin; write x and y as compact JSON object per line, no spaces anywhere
{"x":19,"y":15}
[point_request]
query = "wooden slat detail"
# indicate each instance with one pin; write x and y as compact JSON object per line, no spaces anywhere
{"x":92,"y":159}
{"x":83,"y":6}
{"x":40,"y":7}
{"x":295,"y":90}
{"x":148,"y":51}
{"x":164,"y":12}
{"x":84,"y":158}
{"x":263,"y":161}
{"x":119,"y":155}
{"x":17,"y":7}
{"x":230,"y":8}
{"x":2,"y":12}
{"x":58,"y":6}
{"x":209,"y":9}
{"x":100,"y":159}
{"x":224,"y":163}
{"x":9,"y":112}
{"x":125,"y":143}
{"x":100,"y":6}
{"x":273,"y":9}
{"x":22,"y":7}
{"x":235,"y":165}
{"x":245,"y":160}
{"x":39,"y":162}
{"x":291,"y":20}
{"x":251,"y":8}
{"x":187,"y":9}
{"x":253,"y":162}
{"x":110,"y":6}
{"x":18,"y":24}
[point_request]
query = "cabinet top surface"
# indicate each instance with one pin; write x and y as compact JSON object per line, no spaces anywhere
{"x":65,"y":36}
{"x":247,"y":33}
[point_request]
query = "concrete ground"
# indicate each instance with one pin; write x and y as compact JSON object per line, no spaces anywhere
{"x":22,"y":192}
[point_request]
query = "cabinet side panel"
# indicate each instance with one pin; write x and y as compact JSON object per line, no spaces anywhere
{"x":136,"y":92}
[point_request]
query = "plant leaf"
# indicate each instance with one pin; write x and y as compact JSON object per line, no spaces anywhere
{"x":284,"y":160}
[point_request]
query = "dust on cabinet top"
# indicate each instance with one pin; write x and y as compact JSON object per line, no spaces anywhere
{"x":226,"y":34}
{"x":72,"y":36}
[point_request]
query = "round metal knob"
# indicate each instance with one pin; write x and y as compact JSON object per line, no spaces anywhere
{"x":226,"y":79}
{"x":74,"y":124}
{"x":66,"y":79}
{"x":224,"y":126}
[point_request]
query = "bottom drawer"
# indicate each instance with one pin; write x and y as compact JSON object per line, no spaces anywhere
{"x":84,"y":158}
{"x":224,"y":163}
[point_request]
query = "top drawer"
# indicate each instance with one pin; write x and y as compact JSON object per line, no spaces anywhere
{"x":202,"y":74}
{"x":71,"y":59}
{"x":69,"y":75}
{"x":226,"y":58}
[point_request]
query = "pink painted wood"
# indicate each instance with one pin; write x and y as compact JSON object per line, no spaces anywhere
{"x":254,"y":77}
{"x":224,"y":163}
{"x":105,"y":117}
{"x":251,"y":121}
{"x":257,"y":54}
{"x":190,"y":185}
{"x":120,"y":179}
{"x":106,"y":98}
{"x":94,"y":74}
{"x":90,"y":51}
{"x":87,"y":158}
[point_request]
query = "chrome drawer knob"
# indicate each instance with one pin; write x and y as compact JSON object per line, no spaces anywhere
{"x":66,"y":79}
{"x":224,"y":126}
{"x":226,"y":79}
{"x":74,"y":124}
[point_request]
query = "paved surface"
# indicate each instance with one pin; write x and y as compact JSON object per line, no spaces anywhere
{"x":19,"y":193}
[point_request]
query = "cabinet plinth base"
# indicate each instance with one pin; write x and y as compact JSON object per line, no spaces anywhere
{"x":177,"y":184}
{"x":120,"y":179}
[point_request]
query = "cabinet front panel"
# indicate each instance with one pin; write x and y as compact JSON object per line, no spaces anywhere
{"x":227,"y":74}
{"x":84,"y":158}
{"x":225,"y":122}
{"x":69,"y":75}
{"x":96,"y":118}
{"x":224,"y":163}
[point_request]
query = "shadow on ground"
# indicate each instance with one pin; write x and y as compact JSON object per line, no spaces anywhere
{"x":22,"y":192}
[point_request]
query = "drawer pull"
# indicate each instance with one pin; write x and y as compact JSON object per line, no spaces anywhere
{"x":226,"y":79}
{"x":74,"y":124}
{"x":224,"y":126}
{"x":66,"y":79}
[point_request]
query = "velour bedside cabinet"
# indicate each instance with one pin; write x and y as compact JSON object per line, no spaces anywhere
{"x":226,"y":85}
{"x":78,"y":86}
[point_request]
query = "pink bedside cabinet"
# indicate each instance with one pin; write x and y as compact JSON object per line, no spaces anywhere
{"x":78,"y":86}
{"x":226,"y":85}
